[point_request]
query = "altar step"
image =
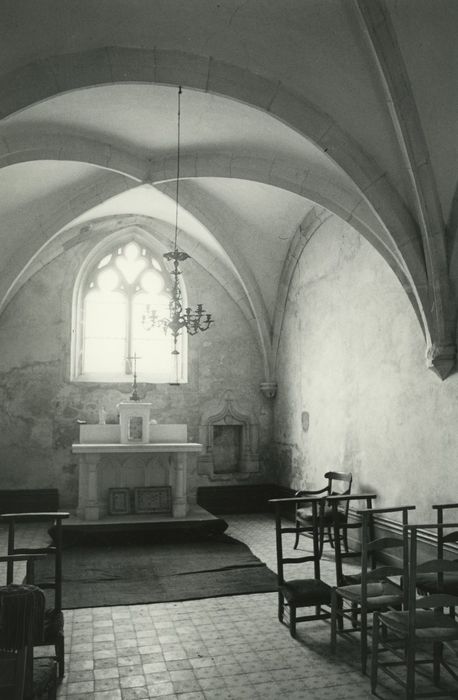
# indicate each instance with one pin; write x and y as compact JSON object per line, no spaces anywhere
{"x":198,"y":521}
{"x":241,"y":498}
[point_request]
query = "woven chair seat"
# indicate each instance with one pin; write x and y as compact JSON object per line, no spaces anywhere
{"x":380,"y":594}
{"x":429,"y":583}
{"x":428,"y":625}
{"x":304,"y":592}
{"x":305,"y":515}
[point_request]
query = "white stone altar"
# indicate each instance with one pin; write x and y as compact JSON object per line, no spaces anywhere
{"x":107,"y":462}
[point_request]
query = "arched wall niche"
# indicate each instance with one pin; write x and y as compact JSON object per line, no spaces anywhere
{"x":229,"y":434}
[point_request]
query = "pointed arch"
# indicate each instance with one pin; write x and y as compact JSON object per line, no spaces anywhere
{"x":107,"y":327}
{"x":56,"y":74}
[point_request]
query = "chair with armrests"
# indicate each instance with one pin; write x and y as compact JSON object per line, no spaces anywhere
{"x":376,"y":589}
{"x":53,"y":619}
{"x":22,"y":677}
{"x":338,"y":483}
{"x":302,"y":591}
{"x":404,"y":633}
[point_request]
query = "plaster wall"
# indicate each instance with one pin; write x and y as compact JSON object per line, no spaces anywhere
{"x":40,"y":406}
{"x":353,"y":390}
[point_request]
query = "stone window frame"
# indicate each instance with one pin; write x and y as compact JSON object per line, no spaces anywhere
{"x":178,"y":364}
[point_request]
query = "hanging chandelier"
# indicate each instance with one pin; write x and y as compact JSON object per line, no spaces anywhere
{"x":179,"y":319}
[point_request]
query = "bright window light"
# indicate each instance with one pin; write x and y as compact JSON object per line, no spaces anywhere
{"x":121,"y":285}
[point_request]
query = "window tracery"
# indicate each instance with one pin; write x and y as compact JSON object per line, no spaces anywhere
{"x":115,"y":292}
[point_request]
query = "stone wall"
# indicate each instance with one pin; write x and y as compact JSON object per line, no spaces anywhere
{"x":40,"y":406}
{"x":353,"y":390}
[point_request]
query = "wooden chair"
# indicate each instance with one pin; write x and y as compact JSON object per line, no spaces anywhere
{"x":53,"y":619}
{"x":376,"y":589}
{"x":338,"y":483}
{"x":23,"y":677}
{"x":341,"y":528}
{"x":424,"y":621}
{"x":16,"y":631}
{"x":428,"y":582}
{"x":302,"y":591}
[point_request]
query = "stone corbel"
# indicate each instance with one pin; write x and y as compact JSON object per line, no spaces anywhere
{"x":441,"y":359}
{"x":269,"y":389}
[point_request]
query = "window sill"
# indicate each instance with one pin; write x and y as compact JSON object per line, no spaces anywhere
{"x":126,"y":380}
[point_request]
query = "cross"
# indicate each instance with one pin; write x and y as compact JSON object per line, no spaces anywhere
{"x":134,"y":358}
{"x":134,"y":395}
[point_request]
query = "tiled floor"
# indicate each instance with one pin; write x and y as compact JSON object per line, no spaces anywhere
{"x":229,"y":648}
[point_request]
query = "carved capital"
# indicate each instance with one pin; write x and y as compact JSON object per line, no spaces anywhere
{"x":441,"y":359}
{"x":269,"y":389}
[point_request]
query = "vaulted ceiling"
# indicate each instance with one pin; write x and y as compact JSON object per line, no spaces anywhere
{"x":291,"y":112}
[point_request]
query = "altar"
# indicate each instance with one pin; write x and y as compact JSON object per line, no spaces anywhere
{"x":106,"y":463}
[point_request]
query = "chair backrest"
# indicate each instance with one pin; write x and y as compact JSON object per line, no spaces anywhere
{"x":340,"y":524}
{"x":21,"y":619}
{"x":16,"y":616}
{"x":55,"y":549}
{"x":439,"y":566}
{"x":375,"y":550}
{"x":441,"y":508}
{"x":27,"y":560}
{"x":339,"y":483}
{"x":282,"y":512}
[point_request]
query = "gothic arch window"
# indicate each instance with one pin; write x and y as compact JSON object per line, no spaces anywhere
{"x":115,"y":287}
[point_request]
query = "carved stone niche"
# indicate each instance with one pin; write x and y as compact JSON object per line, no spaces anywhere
{"x":230,"y":439}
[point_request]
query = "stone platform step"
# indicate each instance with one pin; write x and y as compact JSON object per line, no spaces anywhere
{"x":197,"y":520}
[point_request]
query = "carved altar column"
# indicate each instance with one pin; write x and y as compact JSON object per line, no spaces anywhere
{"x":179,"y":492}
{"x":88,"y":506}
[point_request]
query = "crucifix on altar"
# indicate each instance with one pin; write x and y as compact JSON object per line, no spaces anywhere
{"x":133,"y":360}
{"x":134,"y":415}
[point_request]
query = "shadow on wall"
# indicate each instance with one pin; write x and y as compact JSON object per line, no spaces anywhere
{"x":288,"y":464}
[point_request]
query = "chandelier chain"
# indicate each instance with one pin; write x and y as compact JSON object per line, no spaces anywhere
{"x":191,"y":320}
{"x":177,"y":196}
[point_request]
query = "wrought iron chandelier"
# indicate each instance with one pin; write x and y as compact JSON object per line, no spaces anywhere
{"x":191,"y":320}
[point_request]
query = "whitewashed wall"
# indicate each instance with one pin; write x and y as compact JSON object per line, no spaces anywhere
{"x":352,"y":357}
